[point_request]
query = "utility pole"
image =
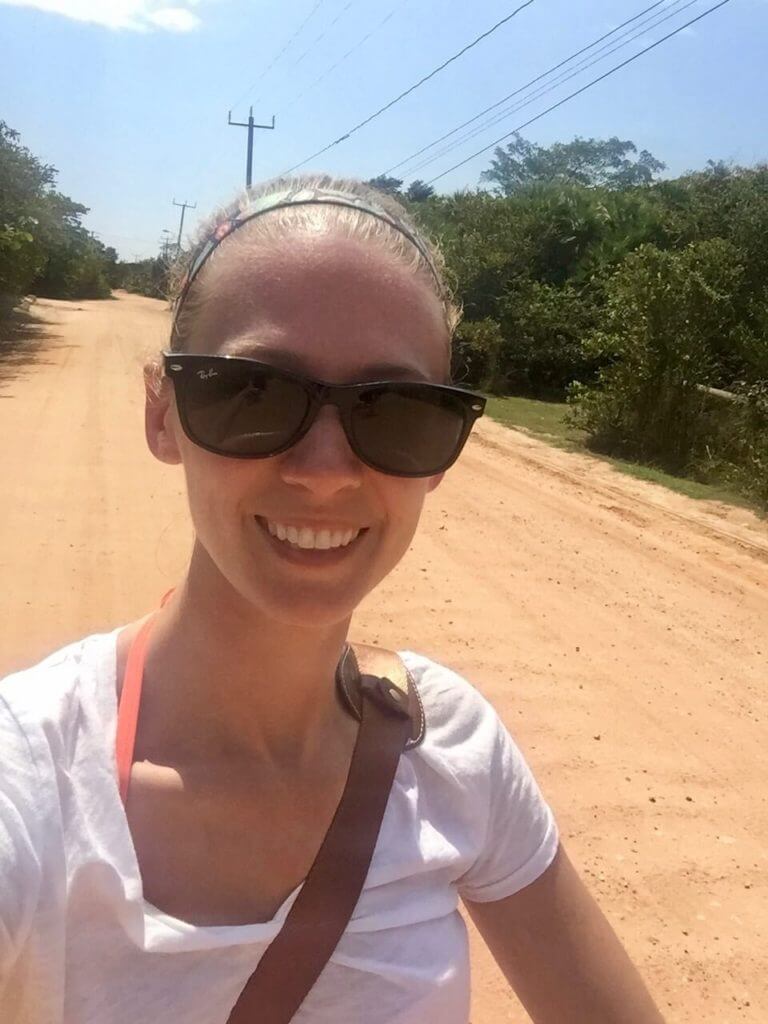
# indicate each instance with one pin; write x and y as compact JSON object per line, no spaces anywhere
{"x":166,"y":243}
{"x":249,"y":124}
{"x":184,"y":206}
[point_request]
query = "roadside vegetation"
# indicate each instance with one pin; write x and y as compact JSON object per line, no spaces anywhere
{"x":44,"y":247}
{"x":616,"y":310}
{"x":551,"y":422}
{"x":640,"y":303}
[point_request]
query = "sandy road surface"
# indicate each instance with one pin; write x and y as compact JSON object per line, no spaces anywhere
{"x":621,"y":630}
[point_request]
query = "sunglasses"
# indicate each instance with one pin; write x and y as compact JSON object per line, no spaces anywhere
{"x":246,"y":409}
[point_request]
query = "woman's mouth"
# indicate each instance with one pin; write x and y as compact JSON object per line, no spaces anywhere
{"x":307,"y":544}
{"x":308,"y":537}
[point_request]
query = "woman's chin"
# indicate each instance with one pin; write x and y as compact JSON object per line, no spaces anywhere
{"x":303,"y":600}
{"x":305,"y":610}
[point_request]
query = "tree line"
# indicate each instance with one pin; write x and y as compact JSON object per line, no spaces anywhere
{"x":584,"y":277}
{"x":44,"y":247}
{"x":641,"y":301}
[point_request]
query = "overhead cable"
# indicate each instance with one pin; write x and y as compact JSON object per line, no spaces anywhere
{"x":564,"y":76}
{"x":578,"y":92}
{"x":277,"y":56}
{"x":345,"y":56}
{"x":527,"y":85}
{"x":323,"y":34}
{"x":412,"y":88}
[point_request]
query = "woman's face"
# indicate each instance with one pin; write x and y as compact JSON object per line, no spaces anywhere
{"x":340,"y":311}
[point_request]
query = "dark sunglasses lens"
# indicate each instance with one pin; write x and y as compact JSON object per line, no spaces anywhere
{"x":242,"y":410}
{"x":408,"y":430}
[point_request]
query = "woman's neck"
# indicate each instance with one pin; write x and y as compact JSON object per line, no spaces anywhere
{"x":222,"y":682}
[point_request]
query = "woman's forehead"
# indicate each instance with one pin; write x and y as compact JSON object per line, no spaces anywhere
{"x":331,"y":303}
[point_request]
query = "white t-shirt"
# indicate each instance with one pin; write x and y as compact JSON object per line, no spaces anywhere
{"x":80,"y":945}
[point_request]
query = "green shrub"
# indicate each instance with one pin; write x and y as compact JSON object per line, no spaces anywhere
{"x":478,"y":355}
{"x":668,"y":318}
{"x":543,"y":327}
{"x":146,"y":277}
{"x":736,"y":450}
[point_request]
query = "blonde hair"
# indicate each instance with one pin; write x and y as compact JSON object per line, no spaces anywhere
{"x":395,"y":233}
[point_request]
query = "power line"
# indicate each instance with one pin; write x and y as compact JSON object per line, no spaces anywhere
{"x":345,"y":56}
{"x":412,"y":88}
{"x":323,"y":34}
{"x":280,"y":53}
{"x":563,"y":77}
{"x":583,"y":65}
{"x":527,"y":85}
{"x":584,"y":88}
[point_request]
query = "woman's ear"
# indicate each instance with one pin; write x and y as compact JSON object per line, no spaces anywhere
{"x":160,"y":424}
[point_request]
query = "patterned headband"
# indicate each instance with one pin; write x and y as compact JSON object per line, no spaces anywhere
{"x":279,"y":200}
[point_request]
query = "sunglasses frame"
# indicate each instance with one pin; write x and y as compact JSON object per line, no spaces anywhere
{"x":180,"y":366}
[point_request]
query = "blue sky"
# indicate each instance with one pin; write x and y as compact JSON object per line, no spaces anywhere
{"x":129,"y":98}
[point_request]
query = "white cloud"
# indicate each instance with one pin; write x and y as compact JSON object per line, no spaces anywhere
{"x":137,"y":15}
{"x":175,"y":19}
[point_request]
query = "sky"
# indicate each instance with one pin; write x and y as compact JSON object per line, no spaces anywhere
{"x":129,"y":99}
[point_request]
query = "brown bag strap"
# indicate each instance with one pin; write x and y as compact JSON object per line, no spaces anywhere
{"x":315,"y":923}
{"x":374,"y":661}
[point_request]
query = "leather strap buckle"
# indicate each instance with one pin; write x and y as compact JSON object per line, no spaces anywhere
{"x":392,"y":687}
{"x":384,"y":693}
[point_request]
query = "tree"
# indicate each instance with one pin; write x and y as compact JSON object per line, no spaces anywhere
{"x":383,"y":183}
{"x":145,"y":277}
{"x":668,"y":331}
{"x":511,"y":258}
{"x":24,"y":181}
{"x":588,"y":162}
{"x":43,"y":243}
{"x":723,"y":201}
{"x":419,"y":191}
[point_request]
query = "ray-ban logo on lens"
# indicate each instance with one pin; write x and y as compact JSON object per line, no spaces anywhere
{"x":206,"y":374}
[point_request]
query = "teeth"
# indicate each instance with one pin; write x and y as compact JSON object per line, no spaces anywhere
{"x":323,"y":540}
{"x":309,"y":539}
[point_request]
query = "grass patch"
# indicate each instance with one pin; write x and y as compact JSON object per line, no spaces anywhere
{"x":546,"y":420}
{"x":681,"y":484}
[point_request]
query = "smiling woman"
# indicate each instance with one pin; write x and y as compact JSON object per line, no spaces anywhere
{"x":225,"y":812}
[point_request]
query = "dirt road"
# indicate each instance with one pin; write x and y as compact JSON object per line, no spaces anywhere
{"x":621,"y":630}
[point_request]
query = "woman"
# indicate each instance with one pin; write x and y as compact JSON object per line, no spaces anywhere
{"x":303,"y":499}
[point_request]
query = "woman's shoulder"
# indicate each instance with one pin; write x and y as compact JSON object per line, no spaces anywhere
{"x":478,"y":774}
{"x":46,"y":701}
{"x":51,"y":713}
{"x":460,"y":721}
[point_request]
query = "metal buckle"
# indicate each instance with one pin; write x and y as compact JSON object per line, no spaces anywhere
{"x":385,"y":694}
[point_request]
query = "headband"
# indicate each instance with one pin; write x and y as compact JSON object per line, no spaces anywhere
{"x":287,"y":198}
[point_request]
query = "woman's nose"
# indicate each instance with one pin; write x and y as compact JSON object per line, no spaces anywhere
{"x":322,"y":461}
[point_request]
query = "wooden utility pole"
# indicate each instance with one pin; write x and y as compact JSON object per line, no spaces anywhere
{"x":166,"y":243}
{"x":184,"y":207}
{"x":250,"y":125}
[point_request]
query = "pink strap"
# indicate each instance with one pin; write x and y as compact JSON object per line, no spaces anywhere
{"x":130,"y":700}
{"x":128,"y":710}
